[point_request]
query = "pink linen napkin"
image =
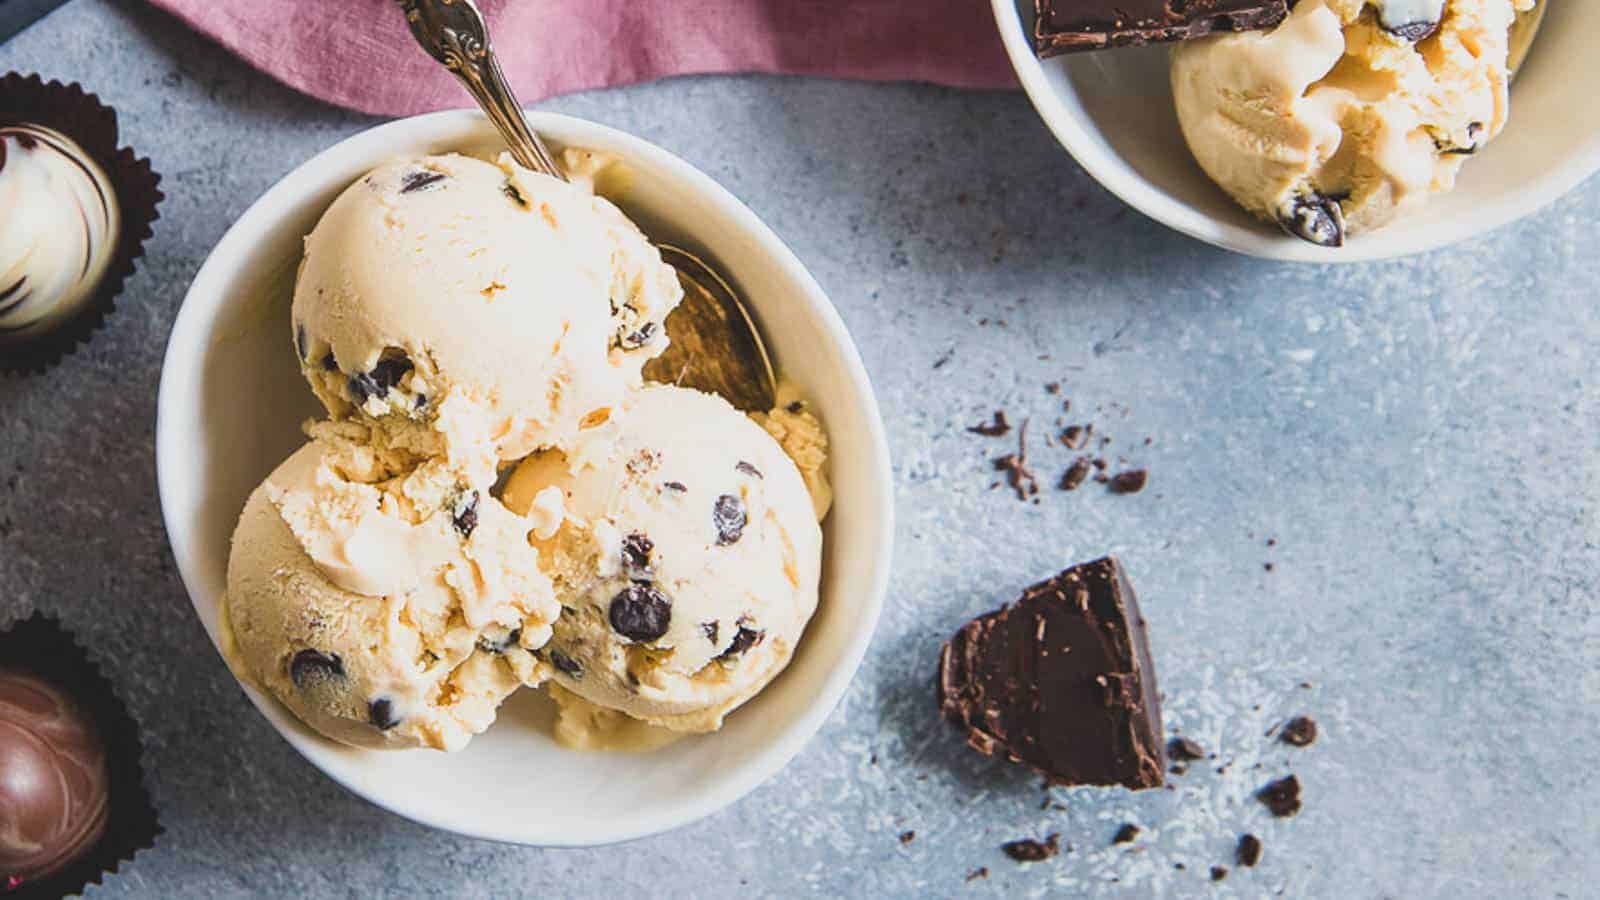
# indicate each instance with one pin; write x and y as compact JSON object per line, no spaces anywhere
{"x":359,"y":54}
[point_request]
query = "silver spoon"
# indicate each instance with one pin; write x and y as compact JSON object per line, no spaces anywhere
{"x":715,"y":346}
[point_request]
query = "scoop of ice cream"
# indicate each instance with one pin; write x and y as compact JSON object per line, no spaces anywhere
{"x":58,"y":234}
{"x":1351,"y":112}
{"x":688,"y":562}
{"x":384,"y":609}
{"x":471,"y":307}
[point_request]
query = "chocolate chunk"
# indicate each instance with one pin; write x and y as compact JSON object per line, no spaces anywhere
{"x":1316,"y":218}
{"x":380,"y":713}
{"x":638,"y":338}
{"x":711,"y":630}
{"x":55,"y":783}
{"x":640,"y":613}
{"x":1126,"y":834}
{"x":1414,"y":32}
{"x":907,"y":837}
{"x":636,"y":550}
{"x":1065,"y":26}
{"x":362,"y":387}
{"x":1249,"y":850}
{"x":748,"y":469}
{"x":1186,"y":749}
{"x":1301,"y":731}
{"x":675,"y":486}
{"x":1061,"y":681}
{"x":1030,"y":850}
{"x":390,"y":369}
{"x":419,"y":180}
{"x":1281,"y":797}
{"x":466,"y":513}
{"x":743,"y":640}
{"x":510,"y":190}
{"x":1074,"y":437}
{"x":1076,"y":474}
{"x":498,"y":646}
{"x":313,"y":667}
{"x":1129,"y":482}
{"x":995,"y":427}
{"x":329,"y":364}
{"x":1219,"y":872}
{"x":728,"y":514}
{"x":796,"y":406}
{"x":566,"y":664}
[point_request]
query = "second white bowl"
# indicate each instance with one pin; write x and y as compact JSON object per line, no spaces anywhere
{"x":232,"y":399}
{"x":1113,"y":112}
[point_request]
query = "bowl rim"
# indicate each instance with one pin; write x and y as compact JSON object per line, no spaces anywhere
{"x":182,"y":361}
{"x":1116,"y":176}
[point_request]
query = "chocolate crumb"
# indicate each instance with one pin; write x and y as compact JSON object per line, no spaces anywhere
{"x":420,"y":179}
{"x":1126,"y":834}
{"x":1053,"y":387}
{"x":1015,"y":465}
{"x":1281,"y":797}
{"x":1266,"y":567}
{"x":1185,"y":749}
{"x":1219,"y":872}
{"x":676,"y":486}
{"x":1076,"y":474}
{"x":1249,"y":851}
{"x":1301,"y":731}
{"x":996,"y":427}
{"x":907,"y":837}
{"x":1030,"y":850}
{"x":1074,"y":437}
{"x":979,"y":872}
{"x":1129,"y":482}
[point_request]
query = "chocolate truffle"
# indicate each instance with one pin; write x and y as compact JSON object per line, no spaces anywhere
{"x":60,"y":234}
{"x":54,"y":782}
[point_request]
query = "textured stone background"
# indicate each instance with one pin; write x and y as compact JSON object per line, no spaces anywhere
{"x":1420,"y":438}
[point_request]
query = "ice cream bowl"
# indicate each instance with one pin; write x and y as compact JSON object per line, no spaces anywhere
{"x":1113,"y":112}
{"x":232,"y":398}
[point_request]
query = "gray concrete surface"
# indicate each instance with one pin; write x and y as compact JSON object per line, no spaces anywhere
{"x":1420,"y":439}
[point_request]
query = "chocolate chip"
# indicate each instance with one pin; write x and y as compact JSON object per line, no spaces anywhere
{"x":676,"y":486}
{"x":997,"y":426}
{"x":907,"y":837}
{"x":1219,"y":872}
{"x":311,"y":667}
{"x":1129,"y":482}
{"x":1316,"y":218}
{"x":1281,"y":797}
{"x":743,"y":640}
{"x":640,"y":613}
{"x":1413,"y":32}
{"x":466,"y":513}
{"x":1126,"y":834}
{"x":729,"y":516}
{"x":329,"y":363}
{"x":419,"y":179}
{"x":390,"y":369}
{"x":711,"y":629}
{"x":380,"y":713}
{"x":636,"y":550}
{"x":362,"y":387}
{"x":640,"y":337}
{"x":1249,"y":850}
{"x":497,"y":647}
{"x":1185,"y":749}
{"x":748,"y":469}
{"x":795,"y":406}
{"x":1301,"y":731}
{"x":1030,"y":850}
{"x":510,"y":190}
{"x":567,"y":665}
{"x":1076,"y":474}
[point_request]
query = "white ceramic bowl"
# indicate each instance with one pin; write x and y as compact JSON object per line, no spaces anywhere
{"x":232,"y":399}
{"x":1113,"y":112}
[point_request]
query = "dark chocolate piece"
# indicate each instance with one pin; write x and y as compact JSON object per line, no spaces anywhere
{"x":1065,"y":26}
{"x":1061,"y":681}
{"x":313,"y":667}
{"x":729,"y":516}
{"x":465,"y":517}
{"x":1316,"y":218}
{"x":907,"y":837}
{"x":1281,"y":797}
{"x":54,"y":782}
{"x":419,"y":179}
{"x":636,"y":550}
{"x":640,"y":613}
{"x":1076,"y":474}
{"x":380,"y":713}
{"x":1186,"y":749}
{"x":743,"y":640}
{"x":1126,"y":834}
{"x":1129,"y":482}
{"x":1219,"y":872}
{"x":995,"y":427}
{"x":567,"y":665}
{"x":1249,"y":850}
{"x":1030,"y":850}
{"x":1301,"y":731}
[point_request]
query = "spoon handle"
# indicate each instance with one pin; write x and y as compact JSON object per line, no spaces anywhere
{"x":453,"y":32}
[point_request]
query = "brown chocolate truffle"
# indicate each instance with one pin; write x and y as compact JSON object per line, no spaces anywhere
{"x":54,"y":783}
